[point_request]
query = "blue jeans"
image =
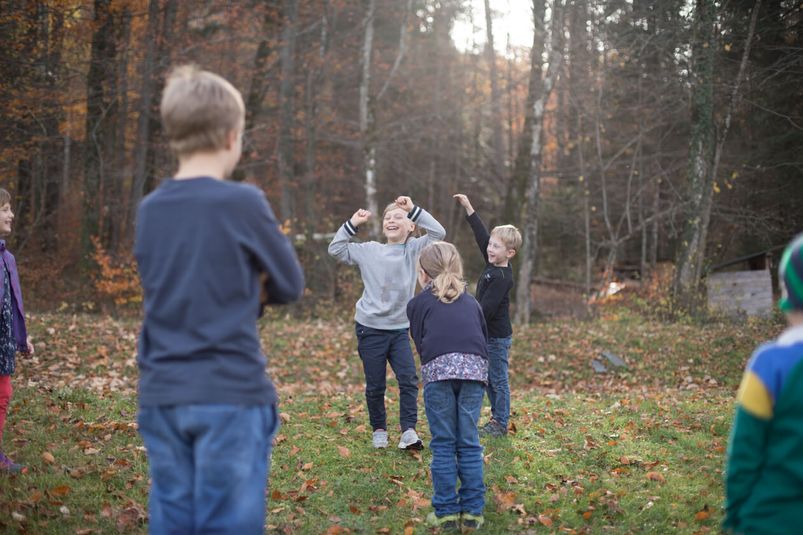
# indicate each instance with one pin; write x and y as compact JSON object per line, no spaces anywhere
{"x":377,"y":347}
{"x":453,"y":410}
{"x":209,"y":467}
{"x":498,"y":386}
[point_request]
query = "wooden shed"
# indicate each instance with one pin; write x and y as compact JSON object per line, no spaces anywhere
{"x":743,"y":286}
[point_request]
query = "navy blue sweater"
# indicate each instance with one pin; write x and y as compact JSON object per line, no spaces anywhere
{"x":201,"y":245}
{"x":439,"y":328}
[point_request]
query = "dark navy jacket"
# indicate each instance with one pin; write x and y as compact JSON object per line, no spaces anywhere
{"x":201,"y":245}
{"x":494,"y":285}
{"x":439,"y":328}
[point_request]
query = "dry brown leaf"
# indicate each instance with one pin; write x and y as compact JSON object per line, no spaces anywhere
{"x":545,"y":520}
{"x":655,"y":476}
{"x":48,"y":457}
{"x":343,"y":451}
{"x":703,"y":514}
{"x":61,"y":490}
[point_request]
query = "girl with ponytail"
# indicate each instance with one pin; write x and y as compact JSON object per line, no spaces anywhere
{"x":448,"y":328}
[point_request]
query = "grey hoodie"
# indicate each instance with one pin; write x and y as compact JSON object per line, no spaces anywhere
{"x":388,"y":270}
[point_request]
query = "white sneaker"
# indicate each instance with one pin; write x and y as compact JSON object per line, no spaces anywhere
{"x":380,"y":438}
{"x":410,"y":441}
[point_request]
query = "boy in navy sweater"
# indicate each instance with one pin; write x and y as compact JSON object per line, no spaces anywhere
{"x":207,"y":408}
{"x":493,"y":293}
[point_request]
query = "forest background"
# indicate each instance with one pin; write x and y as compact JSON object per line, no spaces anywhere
{"x":643,"y":140}
{"x":626,"y":134}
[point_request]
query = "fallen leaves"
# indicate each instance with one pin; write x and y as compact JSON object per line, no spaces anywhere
{"x":703,"y":514}
{"x":48,"y":457}
{"x":655,"y":476}
{"x":59,"y":491}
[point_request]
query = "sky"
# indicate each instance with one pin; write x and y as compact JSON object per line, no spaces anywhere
{"x":510,"y":17}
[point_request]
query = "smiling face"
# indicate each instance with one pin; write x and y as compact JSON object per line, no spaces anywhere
{"x":498,"y":253}
{"x":6,"y":219}
{"x":396,"y":226}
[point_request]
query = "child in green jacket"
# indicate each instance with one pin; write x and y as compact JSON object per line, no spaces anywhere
{"x":764,"y":476}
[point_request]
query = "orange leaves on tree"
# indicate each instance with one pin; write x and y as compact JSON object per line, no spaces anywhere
{"x":116,"y":279}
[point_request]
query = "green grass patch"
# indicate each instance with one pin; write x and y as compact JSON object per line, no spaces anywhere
{"x":638,"y":451}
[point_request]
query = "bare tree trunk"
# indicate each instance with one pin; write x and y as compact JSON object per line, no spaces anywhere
{"x":496,"y":101}
{"x":146,"y":93}
{"x":286,"y":145}
{"x":314,"y":80}
{"x":704,"y":153}
{"x":367,"y":119}
{"x":254,"y":102}
{"x":517,"y":185}
{"x":101,"y":72}
{"x":586,"y":203}
{"x":118,"y":205}
{"x":529,"y":251}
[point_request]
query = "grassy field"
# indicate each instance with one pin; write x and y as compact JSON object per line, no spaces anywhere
{"x":639,"y":451}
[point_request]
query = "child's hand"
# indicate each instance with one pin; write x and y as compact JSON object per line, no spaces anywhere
{"x":464,"y":202}
{"x":360,"y":217}
{"x":28,"y":347}
{"x":405,"y":203}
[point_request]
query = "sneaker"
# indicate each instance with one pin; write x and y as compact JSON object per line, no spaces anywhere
{"x":410,"y":441}
{"x":493,"y":429}
{"x":380,"y":438}
{"x":472,"y":522}
{"x":443,"y":522}
{"x":9,"y":466}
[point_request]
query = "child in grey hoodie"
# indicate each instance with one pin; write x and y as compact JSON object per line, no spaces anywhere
{"x":388,"y":273}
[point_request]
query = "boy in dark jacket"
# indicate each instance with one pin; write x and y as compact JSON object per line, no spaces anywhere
{"x":493,"y":294}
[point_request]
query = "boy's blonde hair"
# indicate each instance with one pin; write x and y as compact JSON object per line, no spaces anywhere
{"x":442,"y":263}
{"x":199,"y":110}
{"x":5,"y":197}
{"x":508,"y":235}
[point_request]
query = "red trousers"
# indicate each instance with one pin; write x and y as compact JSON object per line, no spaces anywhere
{"x":5,"y":398}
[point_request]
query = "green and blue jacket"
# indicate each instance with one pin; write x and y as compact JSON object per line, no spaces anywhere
{"x":764,"y":475}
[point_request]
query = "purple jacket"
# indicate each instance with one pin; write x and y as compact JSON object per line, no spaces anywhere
{"x":20,"y":333}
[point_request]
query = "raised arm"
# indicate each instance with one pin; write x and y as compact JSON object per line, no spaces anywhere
{"x":341,"y":247}
{"x":481,"y":235}
{"x":422,"y":218}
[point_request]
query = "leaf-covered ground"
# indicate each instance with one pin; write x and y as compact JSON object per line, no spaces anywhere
{"x":637,"y":451}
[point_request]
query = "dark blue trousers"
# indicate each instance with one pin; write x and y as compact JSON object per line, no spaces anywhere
{"x":377,"y":347}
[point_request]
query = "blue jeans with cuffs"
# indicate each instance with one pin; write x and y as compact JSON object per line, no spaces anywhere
{"x":498,"y":386}
{"x":453,"y":411}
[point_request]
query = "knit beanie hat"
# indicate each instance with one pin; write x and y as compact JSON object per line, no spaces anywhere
{"x":790,"y":273}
